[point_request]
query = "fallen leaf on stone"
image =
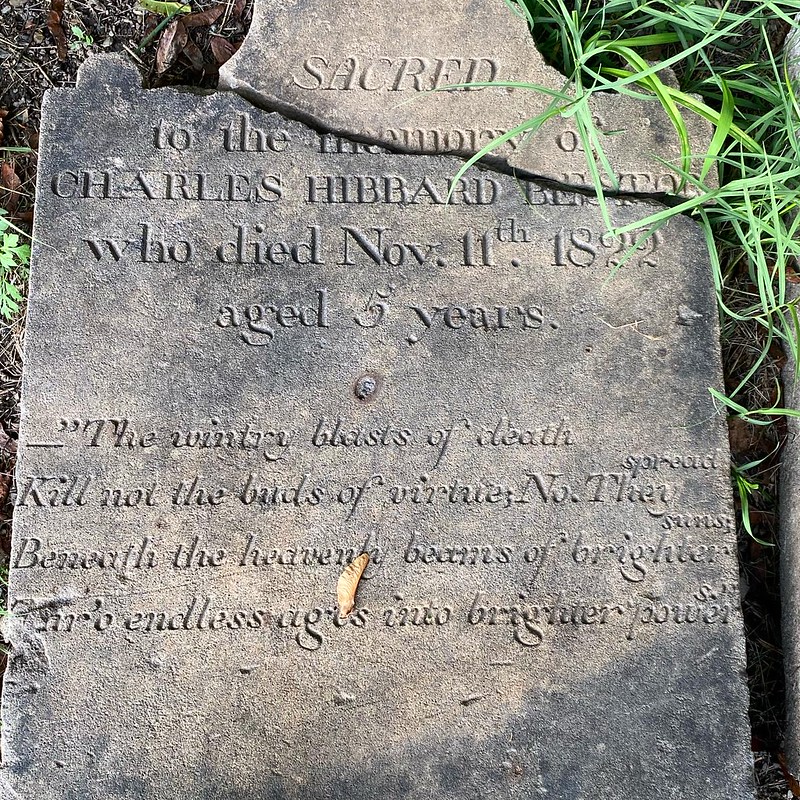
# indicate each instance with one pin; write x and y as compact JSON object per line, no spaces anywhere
{"x":171,"y":45}
{"x":54,"y":26}
{"x":223,"y":49}
{"x":164,"y":9}
{"x":348,"y":583}
{"x":202,"y":19}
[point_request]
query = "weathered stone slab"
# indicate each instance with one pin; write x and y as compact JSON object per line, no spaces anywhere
{"x":249,"y":360}
{"x":790,"y":577}
{"x":377,"y":71}
{"x":789,"y":518}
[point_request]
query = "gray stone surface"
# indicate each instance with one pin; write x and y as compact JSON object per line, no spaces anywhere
{"x":239,"y":377}
{"x":369,"y":69}
{"x":789,"y":521}
{"x":790,"y":576}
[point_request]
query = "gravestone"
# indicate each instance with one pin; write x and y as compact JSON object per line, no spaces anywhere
{"x":789,"y":510}
{"x":790,"y":575}
{"x":789,"y":514}
{"x":248,"y":361}
{"x":379,"y":72}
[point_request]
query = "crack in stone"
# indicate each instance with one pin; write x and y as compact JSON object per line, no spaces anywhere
{"x":290,"y":112}
{"x":488,"y":163}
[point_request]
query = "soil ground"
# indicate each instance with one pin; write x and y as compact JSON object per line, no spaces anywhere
{"x":42,"y":43}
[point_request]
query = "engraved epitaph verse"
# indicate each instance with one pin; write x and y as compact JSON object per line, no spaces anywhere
{"x":253,"y":356}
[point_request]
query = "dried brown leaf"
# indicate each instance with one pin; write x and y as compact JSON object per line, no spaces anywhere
{"x":10,"y":182}
{"x":55,"y":28}
{"x":195,"y":56}
{"x":740,"y":435}
{"x":223,"y":49}
{"x":790,"y":779}
{"x":348,"y":583}
{"x":5,"y":487}
{"x":171,"y":45}
{"x":6,"y":442}
{"x":202,"y":19}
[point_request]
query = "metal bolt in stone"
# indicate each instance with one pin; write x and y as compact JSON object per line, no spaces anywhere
{"x":366,"y":387}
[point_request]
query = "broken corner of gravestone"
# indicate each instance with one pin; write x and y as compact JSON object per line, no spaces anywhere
{"x":375,"y":71}
{"x":108,"y":70}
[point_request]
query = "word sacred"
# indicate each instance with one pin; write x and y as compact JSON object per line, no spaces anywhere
{"x":413,"y":73}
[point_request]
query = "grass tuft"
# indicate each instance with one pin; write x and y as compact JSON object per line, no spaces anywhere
{"x":15,"y":258}
{"x":730,"y":75}
{"x":733,"y":71}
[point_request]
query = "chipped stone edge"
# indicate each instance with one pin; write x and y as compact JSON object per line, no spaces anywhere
{"x":505,"y":163}
{"x":789,"y":539}
{"x":269,"y":101}
{"x":789,"y":519}
{"x":22,"y":645}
